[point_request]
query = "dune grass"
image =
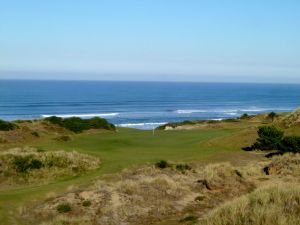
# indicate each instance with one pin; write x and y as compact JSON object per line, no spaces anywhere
{"x":274,"y":205}
{"x":128,"y":148}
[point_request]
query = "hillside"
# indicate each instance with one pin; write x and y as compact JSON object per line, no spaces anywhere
{"x":150,"y":194}
{"x":200,"y":169}
{"x":291,"y":120}
{"x":23,"y":131}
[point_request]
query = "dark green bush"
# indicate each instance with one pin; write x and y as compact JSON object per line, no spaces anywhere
{"x":6,"y":126}
{"x":162,"y":164}
{"x":97,"y":122}
{"x":78,"y":125}
{"x":272,"y":116}
{"x":290,"y":144}
{"x":64,"y":208}
{"x":36,"y":164}
{"x":269,"y":138}
{"x":75,"y":124}
{"x":55,"y":120}
{"x":245,"y":116}
{"x":25,"y":163}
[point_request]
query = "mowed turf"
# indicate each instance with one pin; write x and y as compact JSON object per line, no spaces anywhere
{"x":127,"y":148}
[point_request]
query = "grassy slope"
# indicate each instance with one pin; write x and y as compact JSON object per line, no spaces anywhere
{"x":129,"y":147}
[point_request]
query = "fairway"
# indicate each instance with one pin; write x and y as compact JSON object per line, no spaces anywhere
{"x":128,"y":148}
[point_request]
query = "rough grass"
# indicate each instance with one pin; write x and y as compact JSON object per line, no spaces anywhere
{"x":30,"y":165}
{"x":150,"y":194}
{"x":290,"y":120}
{"x":147,"y":195}
{"x":273,"y":205}
{"x":125,"y":148}
{"x":31,"y":131}
{"x":286,"y":166}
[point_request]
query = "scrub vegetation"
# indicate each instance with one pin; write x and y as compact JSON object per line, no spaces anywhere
{"x":78,"y":125}
{"x":150,"y":194}
{"x":6,"y":126}
{"x":20,"y":166}
{"x":188,"y":173}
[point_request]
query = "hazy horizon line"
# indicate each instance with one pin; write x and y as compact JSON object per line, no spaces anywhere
{"x":150,"y":81}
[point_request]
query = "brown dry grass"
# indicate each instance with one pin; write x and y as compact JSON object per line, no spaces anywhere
{"x":25,"y":130}
{"x":291,"y":119}
{"x":55,"y":164}
{"x":272,"y":205}
{"x":149,"y":195}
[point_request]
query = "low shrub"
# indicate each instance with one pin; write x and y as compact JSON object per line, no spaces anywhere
{"x":245,"y":116}
{"x":269,"y":138}
{"x":64,"y":208}
{"x":162,"y":164}
{"x":183,"y":167}
{"x":6,"y":126}
{"x":55,"y":120}
{"x":78,"y":125}
{"x":20,"y":166}
{"x":86,"y":203}
{"x":199,"y":198}
{"x":40,"y":150}
{"x":25,"y":163}
{"x":272,"y":116}
{"x":290,"y":144}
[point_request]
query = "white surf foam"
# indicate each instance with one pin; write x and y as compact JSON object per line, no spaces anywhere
{"x":104,"y":115}
{"x":232,"y":112}
{"x":189,"y":111}
{"x":141,"y":125}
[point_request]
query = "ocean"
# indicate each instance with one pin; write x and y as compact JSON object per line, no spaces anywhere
{"x":142,"y":105}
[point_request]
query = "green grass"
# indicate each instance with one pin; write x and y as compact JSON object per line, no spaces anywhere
{"x":131,"y":147}
{"x":123,"y":149}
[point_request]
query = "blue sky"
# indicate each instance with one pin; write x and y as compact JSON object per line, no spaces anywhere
{"x":176,"y":40}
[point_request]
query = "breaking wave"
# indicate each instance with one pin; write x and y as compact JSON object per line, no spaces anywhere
{"x":88,"y":115}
